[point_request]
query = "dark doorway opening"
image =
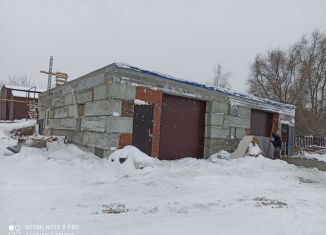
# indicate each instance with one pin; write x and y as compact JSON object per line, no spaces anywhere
{"x":143,"y":128}
{"x":261,"y":123}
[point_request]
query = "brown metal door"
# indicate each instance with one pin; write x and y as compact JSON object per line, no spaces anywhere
{"x":261,"y":123}
{"x":182,"y":128}
{"x":143,"y":128}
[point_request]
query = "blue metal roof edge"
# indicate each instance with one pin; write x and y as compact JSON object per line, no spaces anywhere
{"x":212,"y":88}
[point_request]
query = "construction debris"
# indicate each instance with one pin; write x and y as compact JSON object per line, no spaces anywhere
{"x":248,"y":144}
{"x":25,"y":131}
{"x":34,"y":142}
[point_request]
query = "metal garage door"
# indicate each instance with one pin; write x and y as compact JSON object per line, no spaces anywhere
{"x":143,"y":128}
{"x":261,"y":123}
{"x":182,"y":128}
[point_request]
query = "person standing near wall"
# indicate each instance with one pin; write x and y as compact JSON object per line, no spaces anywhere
{"x":277,"y":143}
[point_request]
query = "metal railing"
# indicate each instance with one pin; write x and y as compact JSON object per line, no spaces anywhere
{"x":306,"y":141}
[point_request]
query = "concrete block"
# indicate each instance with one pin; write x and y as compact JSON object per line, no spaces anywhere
{"x":83,"y":96}
{"x":240,"y":132}
{"x":115,"y":89}
{"x":62,"y":132}
{"x":54,"y":123}
{"x":77,"y":138}
{"x":101,"y":92}
{"x":61,"y":112}
{"x":47,"y":131}
{"x":120,"y":124}
{"x":66,"y":90}
{"x":237,"y":121}
{"x":130,"y":91}
{"x":217,"y":132}
{"x":244,"y":111}
{"x":98,"y":124}
{"x":214,"y":119}
{"x":85,"y":148}
{"x":68,"y":99}
{"x":96,"y":108}
{"x":215,"y":145}
{"x":72,"y":111}
{"x":101,"y":140}
{"x":41,"y":113}
{"x":58,"y":100}
{"x":106,"y":107}
{"x":45,"y":100}
{"x":102,"y":153}
{"x":217,"y":107}
{"x":68,"y":123}
{"x":116,"y":107}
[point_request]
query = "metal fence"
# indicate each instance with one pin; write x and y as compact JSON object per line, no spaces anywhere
{"x":306,"y":141}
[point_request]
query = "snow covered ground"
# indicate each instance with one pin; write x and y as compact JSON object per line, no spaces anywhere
{"x":42,"y":191}
{"x":319,"y":157}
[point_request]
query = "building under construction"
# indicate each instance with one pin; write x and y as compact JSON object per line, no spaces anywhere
{"x":163,"y":116}
{"x":18,"y":102}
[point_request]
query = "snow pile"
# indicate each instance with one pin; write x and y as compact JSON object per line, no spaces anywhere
{"x":254,"y":150}
{"x":189,"y":196}
{"x":130,"y":158}
{"x":317,"y":156}
{"x":140,"y":102}
{"x":220,"y":155}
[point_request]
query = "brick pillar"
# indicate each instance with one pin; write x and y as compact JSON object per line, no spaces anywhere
{"x":276,"y":122}
{"x":125,"y":139}
{"x":153,"y":97}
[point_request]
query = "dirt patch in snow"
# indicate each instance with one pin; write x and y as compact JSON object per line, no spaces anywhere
{"x":25,"y":131}
{"x":262,"y":201}
{"x":114,"y":208}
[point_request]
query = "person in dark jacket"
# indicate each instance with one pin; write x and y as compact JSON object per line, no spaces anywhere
{"x":277,"y":143}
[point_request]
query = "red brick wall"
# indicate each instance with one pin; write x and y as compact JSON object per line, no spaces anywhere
{"x":154,"y":97}
{"x":18,"y":110}
{"x":125,"y":139}
{"x":275,"y":122}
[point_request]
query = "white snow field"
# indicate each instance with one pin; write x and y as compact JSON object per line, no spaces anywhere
{"x":67,"y":191}
{"x":319,"y":157}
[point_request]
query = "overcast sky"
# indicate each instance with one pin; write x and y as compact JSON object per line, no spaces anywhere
{"x":183,"y":38}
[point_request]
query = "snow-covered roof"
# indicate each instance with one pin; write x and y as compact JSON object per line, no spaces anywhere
{"x":18,"y":91}
{"x":228,"y":92}
{"x":20,"y":88}
{"x":23,"y":94}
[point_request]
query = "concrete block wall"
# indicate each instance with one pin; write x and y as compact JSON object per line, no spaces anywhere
{"x":96,"y":110}
{"x":92,"y":115}
{"x":224,"y":125}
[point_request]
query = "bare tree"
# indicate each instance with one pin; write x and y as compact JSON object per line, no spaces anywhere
{"x":275,"y":76}
{"x":313,"y":72}
{"x":221,"y":79}
{"x":20,"y":80}
{"x":296,"y":76}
